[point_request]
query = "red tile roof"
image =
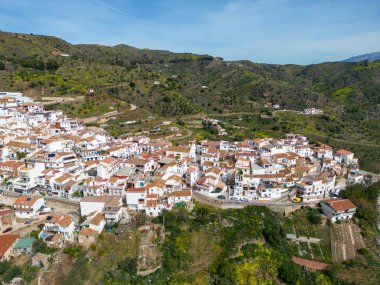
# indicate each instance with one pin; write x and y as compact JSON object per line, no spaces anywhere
{"x":344,"y":152}
{"x":6,"y":241}
{"x":340,"y":204}
{"x":314,"y":265}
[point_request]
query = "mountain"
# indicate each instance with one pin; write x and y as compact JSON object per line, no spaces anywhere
{"x":368,"y":56}
{"x":181,"y":85}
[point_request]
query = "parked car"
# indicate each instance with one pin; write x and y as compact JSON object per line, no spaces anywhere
{"x":28,"y":222}
{"x":45,"y":211}
{"x":244,"y":200}
{"x":221,"y":197}
{"x":1,"y":192}
{"x":337,"y":193}
{"x":7,"y":230}
{"x":296,"y":200}
{"x":233,"y":198}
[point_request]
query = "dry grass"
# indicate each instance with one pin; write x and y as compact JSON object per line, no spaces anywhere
{"x":111,"y":249}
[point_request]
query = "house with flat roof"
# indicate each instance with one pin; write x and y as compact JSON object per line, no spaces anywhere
{"x":24,"y":245}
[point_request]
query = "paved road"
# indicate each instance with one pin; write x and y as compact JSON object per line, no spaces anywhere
{"x":241,"y":204}
{"x":189,"y":134}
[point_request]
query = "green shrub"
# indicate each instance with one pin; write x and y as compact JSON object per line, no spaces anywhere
{"x":73,"y":250}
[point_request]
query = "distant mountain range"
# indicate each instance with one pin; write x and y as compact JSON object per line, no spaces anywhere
{"x":368,"y":56}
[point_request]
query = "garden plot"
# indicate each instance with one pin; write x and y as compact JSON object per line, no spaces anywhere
{"x":345,"y":241}
{"x":149,"y":254}
{"x":311,"y":241}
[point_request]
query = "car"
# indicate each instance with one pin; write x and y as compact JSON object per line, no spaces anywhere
{"x":28,"y":222}
{"x":233,"y":198}
{"x":49,"y":238}
{"x":7,"y":230}
{"x":296,"y":200}
{"x":1,"y":192}
{"x":244,"y":200}
{"x":45,"y":210}
{"x":221,"y":197}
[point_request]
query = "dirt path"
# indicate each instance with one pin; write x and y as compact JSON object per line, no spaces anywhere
{"x":54,"y":100}
{"x":103,"y":116}
{"x":302,"y":132}
{"x":339,"y":140}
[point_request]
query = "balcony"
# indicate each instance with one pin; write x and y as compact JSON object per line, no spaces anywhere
{"x":111,"y":215}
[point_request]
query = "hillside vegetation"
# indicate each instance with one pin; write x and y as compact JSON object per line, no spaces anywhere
{"x":176,"y":84}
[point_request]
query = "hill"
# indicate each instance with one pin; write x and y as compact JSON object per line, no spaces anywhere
{"x":368,"y":56}
{"x":173,"y":85}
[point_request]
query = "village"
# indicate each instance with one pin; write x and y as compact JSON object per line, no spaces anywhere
{"x":69,"y":182}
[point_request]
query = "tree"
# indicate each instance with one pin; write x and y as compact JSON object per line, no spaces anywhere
{"x":289,"y":272}
{"x":259,"y":270}
{"x":21,"y":155}
{"x":13,"y":272}
{"x":34,"y":234}
{"x":40,"y":246}
{"x":314,"y":216}
{"x":140,"y":219}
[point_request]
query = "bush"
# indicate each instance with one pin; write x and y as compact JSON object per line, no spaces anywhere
{"x":314,"y":216}
{"x":34,"y":234}
{"x":29,"y":273}
{"x":128,"y":265}
{"x":93,"y":246}
{"x":13,"y":272}
{"x":73,"y":250}
{"x":40,"y":246}
{"x":140,"y":219}
{"x":289,"y":272}
{"x":4,"y":266}
{"x":363,"y":251}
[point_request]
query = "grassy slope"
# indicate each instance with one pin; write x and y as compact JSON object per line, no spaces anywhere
{"x":211,"y":246}
{"x":348,"y":92}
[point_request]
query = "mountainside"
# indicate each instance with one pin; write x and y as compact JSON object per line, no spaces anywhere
{"x":167,"y":84}
{"x":368,"y":56}
{"x":37,"y":62}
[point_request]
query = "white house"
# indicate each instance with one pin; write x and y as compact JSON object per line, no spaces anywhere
{"x":338,"y":209}
{"x":28,"y":207}
{"x":60,"y":224}
{"x":135,"y":198}
{"x":344,"y":156}
{"x":179,"y":196}
{"x":97,"y":222}
{"x":27,"y":178}
{"x":110,"y":206}
{"x":191,"y":175}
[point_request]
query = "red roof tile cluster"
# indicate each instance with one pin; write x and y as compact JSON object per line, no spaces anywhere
{"x":311,"y":264}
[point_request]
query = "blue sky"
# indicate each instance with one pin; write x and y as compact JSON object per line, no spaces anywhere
{"x":271,"y":31}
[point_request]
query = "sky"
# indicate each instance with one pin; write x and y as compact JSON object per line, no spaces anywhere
{"x":264,"y":31}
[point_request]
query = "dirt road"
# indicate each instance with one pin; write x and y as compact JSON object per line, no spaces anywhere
{"x":103,"y":116}
{"x":54,"y":100}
